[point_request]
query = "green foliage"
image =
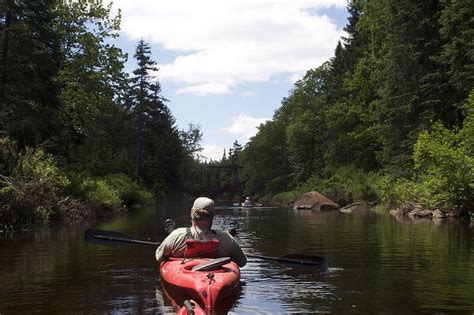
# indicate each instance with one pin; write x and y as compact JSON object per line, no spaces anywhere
{"x":8,"y":155}
{"x":98,"y":130}
{"x":34,"y":192}
{"x":266,"y":161}
{"x":457,"y":33}
{"x":445,"y":162}
{"x":63,"y":88}
{"x":411,"y":96}
{"x":191,"y":139}
{"x":285,"y":198}
{"x":29,"y":63}
{"x":35,"y":165}
{"x":158,"y":149}
{"x":383,"y":187}
{"x":129,"y":191}
{"x":347,"y":185}
{"x":99,"y":194}
{"x":348,"y":128}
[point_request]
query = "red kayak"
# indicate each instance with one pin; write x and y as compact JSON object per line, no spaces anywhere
{"x":203,"y":281}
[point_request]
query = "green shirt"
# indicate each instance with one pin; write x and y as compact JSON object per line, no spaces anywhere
{"x":175,"y":244}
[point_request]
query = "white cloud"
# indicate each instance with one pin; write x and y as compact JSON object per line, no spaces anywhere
{"x":212,"y":151}
{"x":244,"y":126}
{"x":204,"y":89}
{"x":224,"y":43}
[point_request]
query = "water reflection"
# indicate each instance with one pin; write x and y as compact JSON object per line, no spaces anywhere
{"x":377,"y":264}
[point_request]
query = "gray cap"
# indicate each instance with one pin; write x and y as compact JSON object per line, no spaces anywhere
{"x":203,"y":208}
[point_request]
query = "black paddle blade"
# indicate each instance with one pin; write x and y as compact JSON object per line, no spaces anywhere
{"x":297,"y":261}
{"x":315,"y":261}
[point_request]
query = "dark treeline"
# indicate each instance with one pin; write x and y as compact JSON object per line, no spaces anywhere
{"x":79,"y":136}
{"x":388,"y":118}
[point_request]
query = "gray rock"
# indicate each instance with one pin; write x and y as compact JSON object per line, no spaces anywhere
{"x":438,"y":214}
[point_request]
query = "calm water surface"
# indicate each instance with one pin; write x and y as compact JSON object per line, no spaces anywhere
{"x":377,"y":265}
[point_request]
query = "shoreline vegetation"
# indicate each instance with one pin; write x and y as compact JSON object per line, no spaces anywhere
{"x":388,"y":120}
{"x":39,"y":192}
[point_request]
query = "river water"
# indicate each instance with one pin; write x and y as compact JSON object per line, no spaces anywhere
{"x":377,"y":264}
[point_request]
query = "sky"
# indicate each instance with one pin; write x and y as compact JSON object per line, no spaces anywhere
{"x":226,"y":65}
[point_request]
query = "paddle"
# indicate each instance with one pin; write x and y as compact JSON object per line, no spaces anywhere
{"x":111,"y":238}
{"x":297,"y":259}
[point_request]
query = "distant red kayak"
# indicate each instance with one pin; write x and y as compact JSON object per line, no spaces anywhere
{"x":203,"y":281}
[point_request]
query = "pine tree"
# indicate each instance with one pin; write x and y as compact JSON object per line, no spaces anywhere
{"x":143,"y":92}
{"x":412,"y":41}
{"x":457,"y":55}
{"x":159,"y":147}
{"x":28,"y":89}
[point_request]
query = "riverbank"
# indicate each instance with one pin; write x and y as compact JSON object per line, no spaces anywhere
{"x":397,"y":207}
{"x":418,"y":211}
{"x":38,"y":191}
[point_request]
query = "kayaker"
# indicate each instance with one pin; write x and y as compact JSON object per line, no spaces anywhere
{"x":247,"y":202}
{"x":200,"y":240}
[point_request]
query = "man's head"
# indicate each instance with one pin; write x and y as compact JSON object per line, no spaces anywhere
{"x":203,"y":209}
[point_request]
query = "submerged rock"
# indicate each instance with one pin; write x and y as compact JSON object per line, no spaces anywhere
{"x":355,"y":207}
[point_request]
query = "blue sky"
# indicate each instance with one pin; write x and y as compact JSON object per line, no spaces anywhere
{"x":226,"y":65}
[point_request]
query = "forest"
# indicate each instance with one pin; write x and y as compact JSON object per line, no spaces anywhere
{"x":388,"y":119}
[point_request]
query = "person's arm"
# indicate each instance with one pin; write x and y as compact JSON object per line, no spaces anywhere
{"x":238,"y":256}
{"x":163,"y":251}
{"x":168,"y":246}
{"x":236,"y":253}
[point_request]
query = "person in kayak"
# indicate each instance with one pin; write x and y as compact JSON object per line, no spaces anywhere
{"x":200,"y":240}
{"x":248,"y":202}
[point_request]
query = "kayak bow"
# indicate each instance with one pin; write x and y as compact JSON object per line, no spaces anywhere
{"x":204,"y":280}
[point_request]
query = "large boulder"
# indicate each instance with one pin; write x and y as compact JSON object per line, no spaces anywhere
{"x":314,"y":201}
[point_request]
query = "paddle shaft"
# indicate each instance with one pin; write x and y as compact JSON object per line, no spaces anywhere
{"x":282,"y":259}
{"x":122,"y":238}
{"x":125,"y":240}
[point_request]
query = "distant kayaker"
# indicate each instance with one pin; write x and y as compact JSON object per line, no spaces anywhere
{"x":200,"y":240}
{"x":248,"y":202}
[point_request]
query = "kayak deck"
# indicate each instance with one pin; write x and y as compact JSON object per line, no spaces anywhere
{"x":205,"y":287}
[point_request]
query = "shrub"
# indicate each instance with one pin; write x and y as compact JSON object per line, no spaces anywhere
{"x":34,"y":193}
{"x":285,"y":198}
{"x":444,"y":164}
{"x":130,"y":191}
{"x":383,"y":188}
{"x":348,"y":184}
{"x":100,"y":195}
{"x":36,"y":165}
